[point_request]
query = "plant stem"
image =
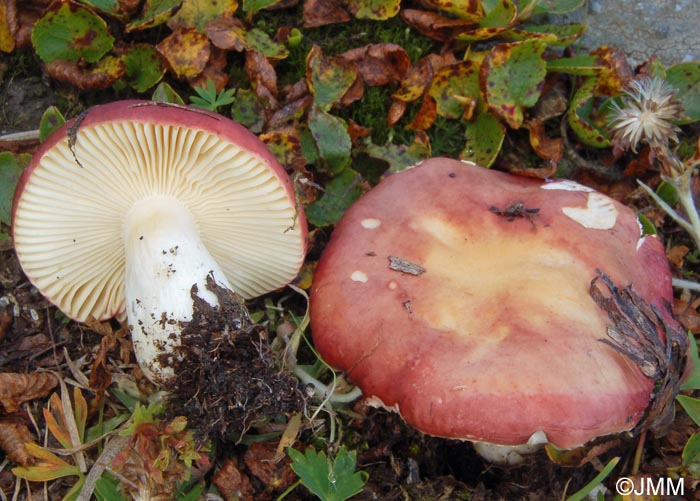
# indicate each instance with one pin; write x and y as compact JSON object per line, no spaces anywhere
{"x":325,"y":392}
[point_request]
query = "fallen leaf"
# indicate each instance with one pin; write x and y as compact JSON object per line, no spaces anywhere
{"x":547,"y":148}
{"x":228,"y":33}
{"x":379,"y":64}
{"x":468,"y":10}
{"x":322,"y":12}
{"x":14,"y":433}
{"x":676,"y":254}
{"x":613,"y":72}
{"x":263,"y":78}
{"x":99,"y":77}
{"x":197,"y":13}
{"x":377,"y":10}
{"x":143,"y":66}
{"x":17,"y":388}
{"x":215,"y":70}
{"x":232,"y":483}
{"x":259,"y":41}
{"x":261,"y":460}
{"x":426,"y":114}
{"x":331,"y":136}
{"x":512,"y":76}
{"x":455,"y":89}
{"x":186,"y":52}
{"x":396,"y":111}
{"x":340,"y":193}
{"x":8,"y":25}
{"x":285,"y":144}
{"x":153,"y":13}
{"x":434,"y":25}
{"x":328,"y":79}
{"x":483,"y":140}
{"x":70,"y":32}
{"x":400,"y":156}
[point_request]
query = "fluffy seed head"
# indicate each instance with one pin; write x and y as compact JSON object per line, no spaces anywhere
{"x":647,"y":113}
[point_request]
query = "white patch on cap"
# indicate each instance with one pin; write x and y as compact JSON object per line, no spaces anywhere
{"x":371,"y":223}
{"x":392,"y":285}
{"x":566,"y":185}
{"x":600,"y":212}
{"x":358,"y":276}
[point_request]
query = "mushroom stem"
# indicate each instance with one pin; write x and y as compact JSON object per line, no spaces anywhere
{"x":164,"y":259}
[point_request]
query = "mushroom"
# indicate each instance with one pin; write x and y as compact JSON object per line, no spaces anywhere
{"x":474,"y":303}
{"x":135,"y":207}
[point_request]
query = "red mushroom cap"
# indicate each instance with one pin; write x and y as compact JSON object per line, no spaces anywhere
{"x":474,"y":320}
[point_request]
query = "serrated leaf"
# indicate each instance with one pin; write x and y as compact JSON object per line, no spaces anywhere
{"x":377,"y":10}
{"x":512,"y":77}
{"x":332,"y":140}
{"x":328,"y":78}
{"x":10,"y":171}
{"x":330,"y":481}
{"x":340,"y":193}
{"x":483,"y":140}
{"x":143,"y":67}
{"x":153,"y":13}
{"x":580,"y":117}
{"x":69,"y":32}
{"x":686,"y":78}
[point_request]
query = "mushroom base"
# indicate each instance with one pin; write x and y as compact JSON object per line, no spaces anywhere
{"x":164,"y":259}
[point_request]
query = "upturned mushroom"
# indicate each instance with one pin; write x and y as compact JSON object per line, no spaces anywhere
{"x":499,"y":309}
{"x":135,"y":208}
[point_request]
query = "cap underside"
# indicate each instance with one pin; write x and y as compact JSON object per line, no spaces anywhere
{"x":69,"y":220}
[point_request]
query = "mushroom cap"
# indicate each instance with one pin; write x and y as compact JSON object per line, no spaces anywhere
{"x":69,"y":209}
{"x":494,"y":336}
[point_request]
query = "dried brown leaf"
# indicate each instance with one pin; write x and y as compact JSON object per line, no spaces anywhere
{"x":263,"y":78}
{"x":396,"y":111}
{"x":8,"y":25}
{"x":426,"y":114}
{"x":84,"y":78}
{"x":232,"y":483}
{"x":379,"y":64}
{"x":227,"y":33}
{"x":17,"y":388}
{"x":214,"y":71}
{"x":547,"y":148}
{"x":260,"y":458}
{"x":322,"y":12}
{"x":434,"y":25}
{"x":14,"y":433}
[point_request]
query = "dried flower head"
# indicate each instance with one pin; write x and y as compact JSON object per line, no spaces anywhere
{"x":646,"y":115}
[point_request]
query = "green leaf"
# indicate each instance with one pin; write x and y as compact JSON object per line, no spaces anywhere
{"x":153,"y":13}
{"x":70,"y":32}
{"x":164,"y":93}
{"x":10,"y":171}
{"x":514,"y":75}
{"x":648,"y":227}
{"x":691,"y":406}
{"x":109,"y":7}
{"x":577,"y":65}
{"x":597,"y":480}
{"x":484,"y":138}
{"x":107,"y":489}
{"x":332,"y":140}
{"x":693,"y":381}
{"x":144,"y":67}
{"x":329,"y":480}
{"x":341,"y":192}
{"x":261,"y":42}
{"x":581,"y":120}
{"x":51,"y":120}
{"x":557,"y":6}
{"x":252,"y":7}
{"x":691,"y":451}
{"x":552,"y":34}
{"x":209,"y":99}
{"x":686,"y":78}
